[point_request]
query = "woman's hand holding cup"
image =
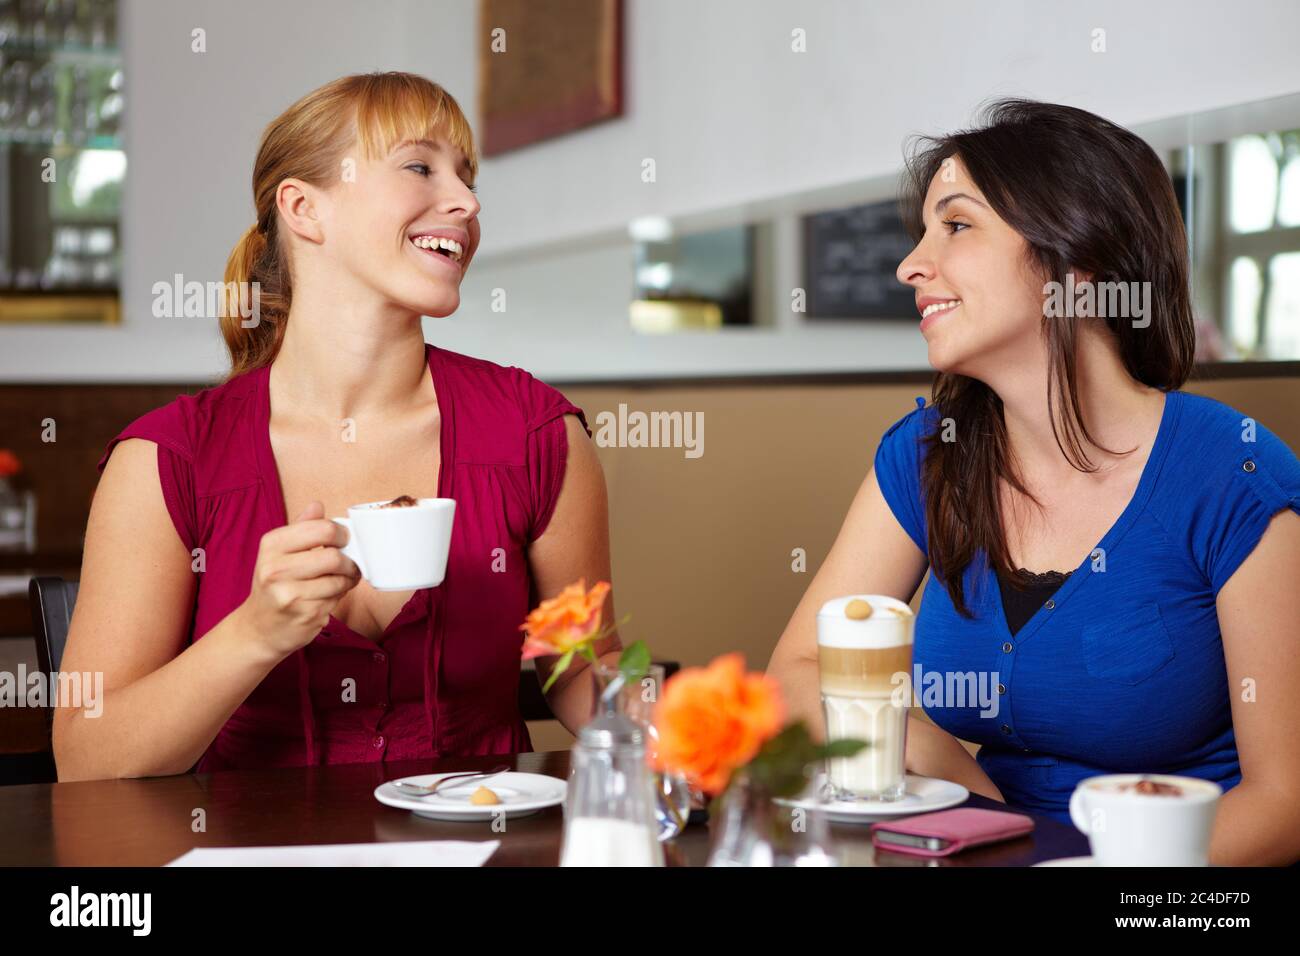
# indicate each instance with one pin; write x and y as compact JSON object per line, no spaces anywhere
{"x":298,"y":580}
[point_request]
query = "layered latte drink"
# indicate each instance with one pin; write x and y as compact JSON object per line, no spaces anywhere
{"x":864,"y":651}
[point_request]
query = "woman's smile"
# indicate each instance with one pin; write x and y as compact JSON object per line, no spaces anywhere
{"x":444,"y":247}
{"x":931,"y":307}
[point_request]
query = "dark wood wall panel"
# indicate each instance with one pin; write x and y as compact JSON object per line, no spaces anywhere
{"x":63,"y":472}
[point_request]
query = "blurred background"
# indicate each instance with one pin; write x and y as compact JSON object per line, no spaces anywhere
{"x":688,"y":205}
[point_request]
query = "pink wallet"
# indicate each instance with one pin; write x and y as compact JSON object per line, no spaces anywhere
{"x":961,"y":828}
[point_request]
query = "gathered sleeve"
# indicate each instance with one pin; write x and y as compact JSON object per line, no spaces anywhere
{"x":546,"y":449}
{"x":1261,"y":479}
{"x":165,"y":427}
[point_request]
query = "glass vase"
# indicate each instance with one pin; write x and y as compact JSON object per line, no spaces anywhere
{"x":753,"y":828}
{"x":636,"y":701}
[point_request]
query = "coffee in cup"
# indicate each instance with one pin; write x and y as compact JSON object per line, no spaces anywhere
{"x":401,"y":544}
{"x":864,"y":644}
{"x":1146,"y":819}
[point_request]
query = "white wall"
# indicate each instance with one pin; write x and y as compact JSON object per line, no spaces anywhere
{"x":714,"y":95}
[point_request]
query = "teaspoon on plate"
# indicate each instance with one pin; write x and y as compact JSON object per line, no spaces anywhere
{"x":417,"y":790}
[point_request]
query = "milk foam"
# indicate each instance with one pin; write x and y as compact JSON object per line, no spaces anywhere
{"x":379,"y":505}
{"x":882,"y":629}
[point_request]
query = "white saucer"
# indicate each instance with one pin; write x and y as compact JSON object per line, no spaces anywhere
{"x":520,"y":793}
{"x":1069,"y":861}
{"x":923,"y":794}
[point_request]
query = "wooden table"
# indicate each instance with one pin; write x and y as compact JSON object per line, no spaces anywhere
{"x":149,"y":822}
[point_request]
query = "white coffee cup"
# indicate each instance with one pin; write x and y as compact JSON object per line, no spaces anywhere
{"x":1126,"y":828}
{"x":400,"y":549}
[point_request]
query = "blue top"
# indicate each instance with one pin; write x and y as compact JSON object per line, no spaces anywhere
{"x":1122,"y":670}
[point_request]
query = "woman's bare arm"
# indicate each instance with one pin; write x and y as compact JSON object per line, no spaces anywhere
{"x":872,"y":554}
{"x":933,"y":752}
{"x":162,"y":706}
{"x":575,"y":545}
{"x":1258,"y":820}
{"x":164,"y":703}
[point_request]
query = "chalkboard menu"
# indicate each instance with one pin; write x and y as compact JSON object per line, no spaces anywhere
{"x":850,"y":257}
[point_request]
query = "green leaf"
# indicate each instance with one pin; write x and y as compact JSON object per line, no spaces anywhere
{"x":560,"y":667}
{"x":783,"y":764}
{"x":846,"y":747}
{"x":634,"y":662}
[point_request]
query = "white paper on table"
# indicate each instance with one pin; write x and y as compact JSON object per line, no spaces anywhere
{"x":399,"y":853}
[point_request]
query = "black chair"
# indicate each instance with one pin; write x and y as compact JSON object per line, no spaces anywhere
{"x":51,"y":600}
{"x":532,"y":702}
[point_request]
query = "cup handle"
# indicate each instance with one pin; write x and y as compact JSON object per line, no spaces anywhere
{"x":350,"y":549}
{"x":1077,"y":814}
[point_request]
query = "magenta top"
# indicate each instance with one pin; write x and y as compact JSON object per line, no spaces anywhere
{"x":443,"y":678}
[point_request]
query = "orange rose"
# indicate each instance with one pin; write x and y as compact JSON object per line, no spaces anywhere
{"x":564,"y":622}
{"x":714,"y":720}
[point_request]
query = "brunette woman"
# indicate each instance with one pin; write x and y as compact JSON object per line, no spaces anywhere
{"x":1115,"y":558}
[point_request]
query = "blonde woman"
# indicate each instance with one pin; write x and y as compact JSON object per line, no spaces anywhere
{"x":231,"y":630}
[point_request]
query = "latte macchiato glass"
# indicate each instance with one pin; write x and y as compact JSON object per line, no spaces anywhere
{"x":400,"y":545}
{"x":864,"y":654}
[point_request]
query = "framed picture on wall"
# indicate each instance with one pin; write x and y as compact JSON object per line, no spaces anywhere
{"x":546,"y":69}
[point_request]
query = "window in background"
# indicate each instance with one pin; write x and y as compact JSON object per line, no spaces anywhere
{"x":1260,"y":231}
{"x":61,"y":160}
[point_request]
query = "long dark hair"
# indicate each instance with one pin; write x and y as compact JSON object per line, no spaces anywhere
{"x":1089,"y":198}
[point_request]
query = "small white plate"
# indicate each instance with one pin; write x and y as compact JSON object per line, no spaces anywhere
{"x":923,"y":794}
{"x":520,"y":793}
{"x":1069,"y":861}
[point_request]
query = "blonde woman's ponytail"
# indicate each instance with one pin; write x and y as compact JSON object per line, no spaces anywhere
{"x":256,"y":300}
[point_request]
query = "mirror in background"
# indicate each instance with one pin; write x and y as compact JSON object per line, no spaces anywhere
{"x":693,"y":282}
{"x":1244,"y":196}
